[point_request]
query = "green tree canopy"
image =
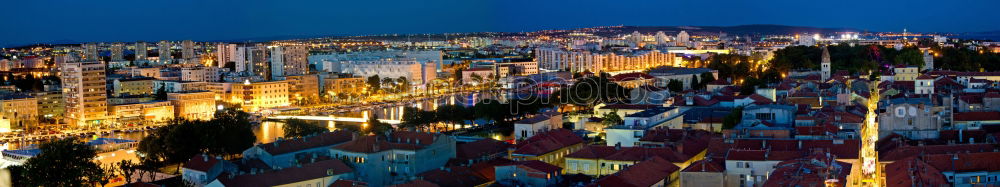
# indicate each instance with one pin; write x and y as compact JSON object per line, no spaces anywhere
{"x":299,"y":128}
{"x":63,"y":162}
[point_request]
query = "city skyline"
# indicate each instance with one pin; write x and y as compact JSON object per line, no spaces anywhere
{"x":61,"y":23}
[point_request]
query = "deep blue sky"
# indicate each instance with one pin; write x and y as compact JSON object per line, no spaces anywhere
{"x":34,"y":21}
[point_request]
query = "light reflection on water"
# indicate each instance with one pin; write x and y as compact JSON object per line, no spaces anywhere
{"x":271,"y":131}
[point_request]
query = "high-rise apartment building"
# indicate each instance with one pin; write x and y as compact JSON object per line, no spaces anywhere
{"x":582,"y":60}
{"x":289,"y":60}
{"x":141,"y":51}
{"x":225,"y":53}
{"x":85,"y":91}
{"x":117,"y":52}
{"x":89,"y":52}
{"x":164,"y":48}
{"x":187,"y":50}
{"x":253,"y":59}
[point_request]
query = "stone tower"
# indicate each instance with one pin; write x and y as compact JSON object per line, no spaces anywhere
{"x":825,"y":66}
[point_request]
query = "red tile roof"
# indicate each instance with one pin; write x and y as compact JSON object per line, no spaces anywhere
{"x":416,"y":183}
{"x":201,"y":162}
{"x":645,"y":173}
{"x":965,"y":162}
{"x":456,"y":176}
{"x":547,"y":142}
{"x":911,"y":172}
{"x":705,"y":165}
{"x":627,"y":153}
{"x":480,"y":148}
{"x":809,"y":171}
{"x":976,"y":116}
{"x":907,"y":151}
{"x":348,"y":183}
{"x":404,"y":140}
{"x":298,"y":144}
{"x":288,"y":175}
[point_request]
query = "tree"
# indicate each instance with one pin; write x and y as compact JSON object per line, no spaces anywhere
{"x":694,"y":82}
{"x":477,"y":78}
{"x":374,"y":84}
{"x":733,"y":118}
{"x":228,"y":133}
{"x":675,"y":86}
{"x":389,"y":81}
{"x":299,"y":128}
{"x":375,"y":126}
{"x":126,"y":168}
{"x":404,"y":84}
{"x":611,"y":119}
{"x":161,"y":94}
{"x":63,"y":162}
{"x":706,"y":78}
{"x":910,"y":56}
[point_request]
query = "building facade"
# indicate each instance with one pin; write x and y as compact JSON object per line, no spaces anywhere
{"x":84,"y":89}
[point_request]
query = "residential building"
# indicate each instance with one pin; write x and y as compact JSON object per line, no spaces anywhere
{"x":382,"y":160}
{"x":703,"y":173}
{"x":18,"y":112}
{"x":225,"y":53}
{"x":285,"y":153}
{"x":193,"y":105}
{"x":967,"y":169}
{"x":202,"y":169}
{"x":685,"y":75}
{"x":528,"y":173}
{"x":415,"y":71}
{"x":132,"y":86}
{"x":653,"y":172}
{"x":85,"y":92}
{"x":597,"y":160}
{"x":308,"y":173}
{"x":581,"y":61}
{"x":164,"y":51}
{"x":344,"y":86}
{"x":141,"y":51}
{"x":549,"y":147}
{"x":142,"y":113}
{"x":636,"y":124}
{"x":187,"y":50}
{"x":253,"y":96}
{"x":539,"y":123}
{"x":117,"y":52}
{"x":289,"y":60}
{"x":818,"y":168}
{"x":303,"y":88}
{"x":505,"y":69}
{"x":51,"y":105}
{"x":179,"y":86}
{"x":90,"y":52}
{"x":914,"y":118}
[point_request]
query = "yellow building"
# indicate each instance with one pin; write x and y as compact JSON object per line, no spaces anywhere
{"x":606,"y":160}
{"x":85,"y":92}
{"x":344,"y":86}
{"x":132,"y":86}
{"x":549,"y":147}
{"x":193,"y":105}
{"x":50,"y":105}
{"x":252,"y":96}
{"x":304,"y":88}
{"x":19,"y":110}
{"x":906,"y":73}
{"x":142,"y":113}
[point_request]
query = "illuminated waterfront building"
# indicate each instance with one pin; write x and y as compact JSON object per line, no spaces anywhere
{"x":343,"y":86}
{"x":84,"y":89}
{"x":303,"y":87}
{"x":142,"y":113}
{"x":683,"y":38}
{"x":50,"y":104}
{"x":580,"y":61}
{"x":18,"y":111}
{"x":415,"y":71}
{"x":193,"y":105}
{"x":253,"y":96}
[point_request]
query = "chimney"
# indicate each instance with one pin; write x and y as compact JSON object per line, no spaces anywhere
{"x":680,"y":148}
{"x":204,"y":157}
{"x":618,"y":146}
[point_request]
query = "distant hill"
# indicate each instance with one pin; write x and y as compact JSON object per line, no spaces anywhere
{"x":760,"y":29}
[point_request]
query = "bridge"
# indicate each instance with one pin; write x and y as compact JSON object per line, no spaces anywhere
{"x":333,"y":118}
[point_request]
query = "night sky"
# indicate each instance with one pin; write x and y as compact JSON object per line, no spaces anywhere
{"x":35,"y":21}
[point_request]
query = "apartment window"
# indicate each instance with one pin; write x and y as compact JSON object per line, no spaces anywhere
{"x":739,"y":165}
{"x":765,"y":116}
